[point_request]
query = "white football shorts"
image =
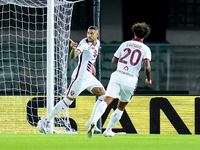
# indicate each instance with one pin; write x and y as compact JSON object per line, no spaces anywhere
{"x":79,"y":85}
{"x":117,"y":90}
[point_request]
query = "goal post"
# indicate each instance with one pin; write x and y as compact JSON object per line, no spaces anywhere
{"x":33,"y":62}
{"x":50,"y":59}
{"x":96,"y":20}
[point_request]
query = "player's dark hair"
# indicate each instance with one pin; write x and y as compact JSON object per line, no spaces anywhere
{"x":94,"y":28}
{"x":141,"y":30}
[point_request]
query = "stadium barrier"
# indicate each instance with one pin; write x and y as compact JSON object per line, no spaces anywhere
{"x":144,"y":115}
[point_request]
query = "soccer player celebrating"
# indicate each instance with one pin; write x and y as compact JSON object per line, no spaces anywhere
{"x":129,"y":57}
{"x":82,"y":77}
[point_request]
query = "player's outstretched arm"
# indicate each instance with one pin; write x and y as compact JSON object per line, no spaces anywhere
{"x":147,"y":70}
{"x":74,"y":53}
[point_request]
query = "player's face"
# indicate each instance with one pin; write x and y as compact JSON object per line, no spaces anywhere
{"x":92,"y":35}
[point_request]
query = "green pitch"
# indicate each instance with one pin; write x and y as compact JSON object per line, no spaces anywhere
{"x":98,"y":142}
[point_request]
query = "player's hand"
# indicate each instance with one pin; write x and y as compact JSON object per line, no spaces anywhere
{"x":94,"y":70}
{"x":149,"y":82}
{"x":73,"y":44}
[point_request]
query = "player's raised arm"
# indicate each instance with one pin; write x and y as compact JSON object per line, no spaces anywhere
{"x":147,"y":70}
{"x":74,"y":53}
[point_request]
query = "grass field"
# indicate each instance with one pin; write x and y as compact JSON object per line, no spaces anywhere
{"x":98,"y":142}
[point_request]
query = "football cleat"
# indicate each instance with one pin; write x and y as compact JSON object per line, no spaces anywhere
{"x":108,"y":133}
{"x":90,"y":130}
{"x":96,"y":129}
{"x":45,"y":125}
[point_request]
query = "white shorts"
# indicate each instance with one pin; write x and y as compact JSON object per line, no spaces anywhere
{"x":79,"y":85}
{"x":117,"y":90}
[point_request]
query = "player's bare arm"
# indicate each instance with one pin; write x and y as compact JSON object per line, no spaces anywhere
{"x":147,"y":70}
{"x":114,"y":60}
{"x":74,"y":52}
{"x":94,"y":70}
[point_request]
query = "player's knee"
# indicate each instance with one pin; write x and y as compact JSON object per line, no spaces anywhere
{"x":121,"y":105}
{"x":121,"y":108}
{"x":108,"y":99}
{"x":98,"y":91}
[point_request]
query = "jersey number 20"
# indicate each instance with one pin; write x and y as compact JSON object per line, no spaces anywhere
{"x":132,"y":53}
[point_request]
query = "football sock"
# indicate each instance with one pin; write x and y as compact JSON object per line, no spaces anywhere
{"x":99,"y":111}
{"x":67,"y":101}
{"x":115,"y":117}
{"x":99,"y":100}
{"x":59,"y":107}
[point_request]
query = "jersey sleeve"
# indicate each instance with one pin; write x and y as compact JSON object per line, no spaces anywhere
{"x":118,"y":52}
{"x":82,"y":45}
{"x":147,"y":54}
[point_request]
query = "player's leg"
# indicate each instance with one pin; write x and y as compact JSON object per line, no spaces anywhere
{"x":98,"y":101}
{"x":126,"y":95}
{"x":96,"y":88}
{"x":66,"y":102}
{"x":112,"y":90}
{"x":88,"y":123}
{"x":115,"y":117}
{"x":72,"y":92}
{"x":101,"y":108}
{"x":56,"y":110}
{"x":98,"y":91}
{"x":98,"y":113}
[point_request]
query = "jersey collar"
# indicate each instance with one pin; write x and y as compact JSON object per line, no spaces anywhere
{"x":137,"y":40}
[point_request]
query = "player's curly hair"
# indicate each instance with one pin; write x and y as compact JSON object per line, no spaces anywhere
{"x":141,"y":30}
